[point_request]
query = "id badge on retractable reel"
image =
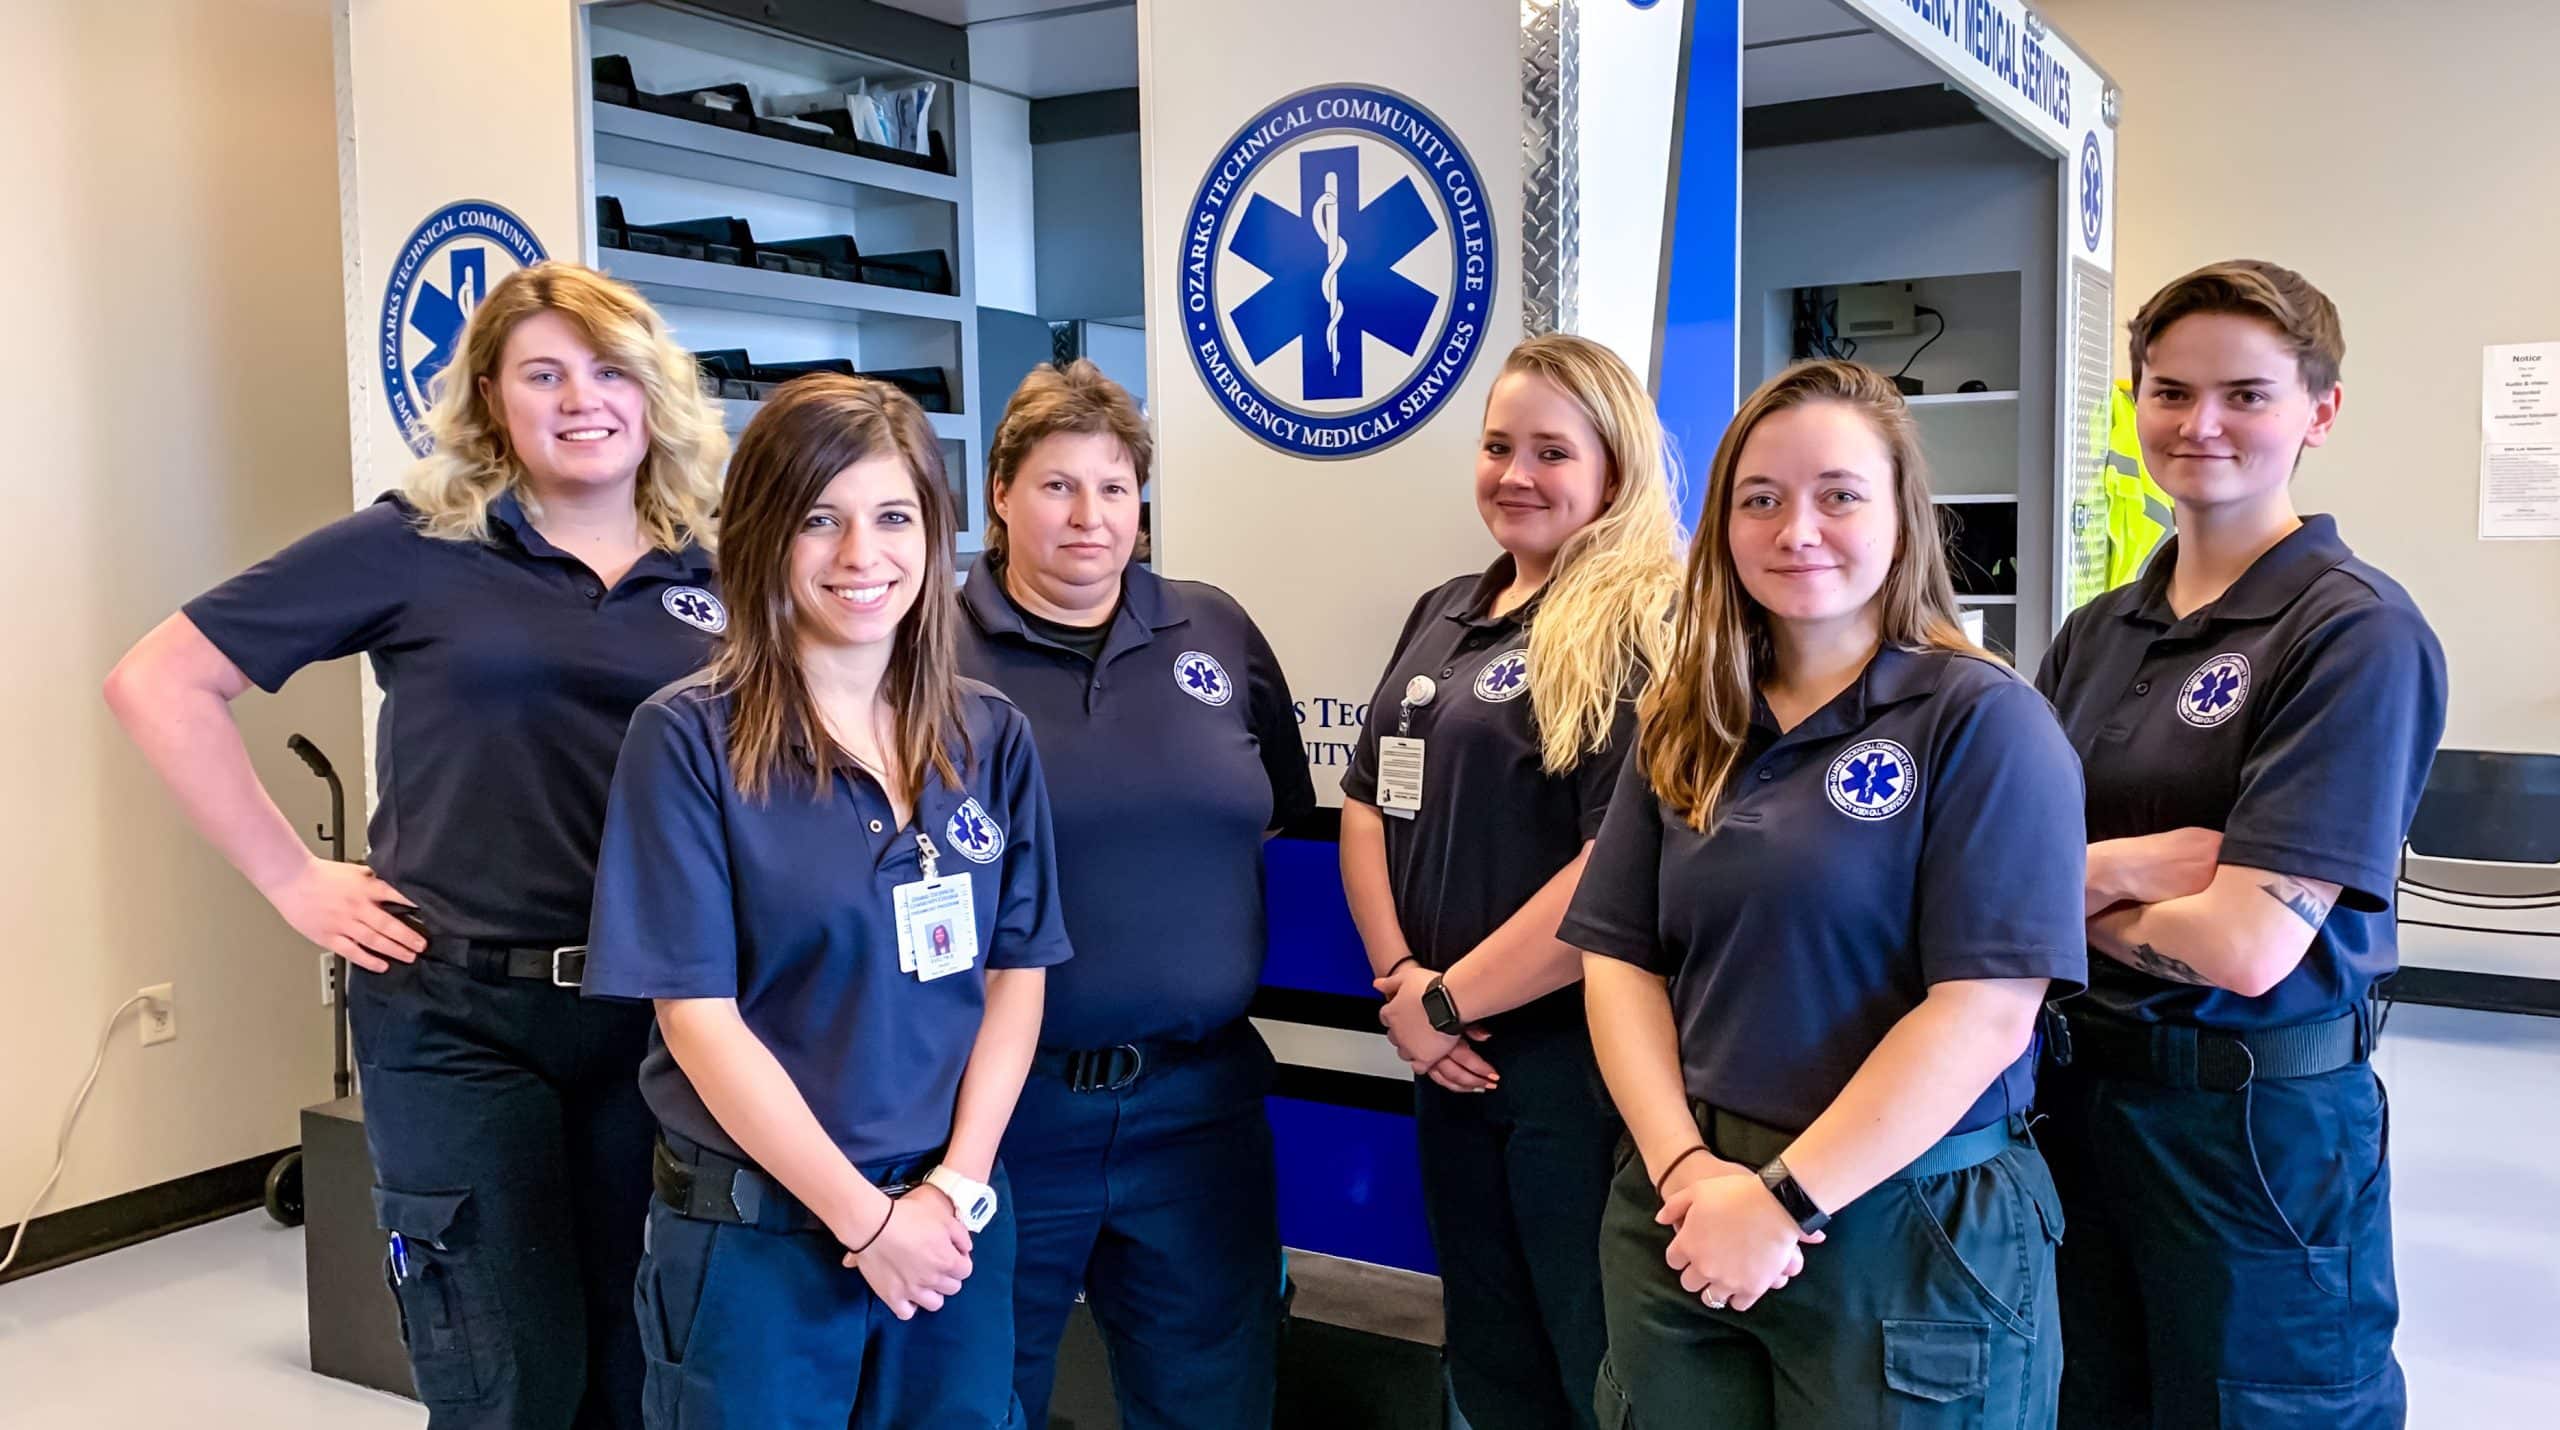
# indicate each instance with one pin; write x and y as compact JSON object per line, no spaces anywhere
{"x":1400,"y":755}
{"x":937,"y":919}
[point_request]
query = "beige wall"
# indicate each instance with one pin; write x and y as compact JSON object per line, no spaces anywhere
{"x":2389,"y":152}
{"x":173,"y":381}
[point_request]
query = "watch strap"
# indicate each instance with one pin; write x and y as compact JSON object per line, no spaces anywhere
{"x":974,"y":1200}
{"x":1782,"y":1185}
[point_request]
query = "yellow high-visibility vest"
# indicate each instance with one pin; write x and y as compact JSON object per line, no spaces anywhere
{"x":2139,"y":515}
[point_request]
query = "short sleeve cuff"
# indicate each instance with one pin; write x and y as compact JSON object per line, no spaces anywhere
{"x":2362,"y":885}
{"x":2068,"y":969}
{"x":1609,"y":941}
{"x":638,"y":986}
{"x":1032,"y":953}
{"x":267,"y":673}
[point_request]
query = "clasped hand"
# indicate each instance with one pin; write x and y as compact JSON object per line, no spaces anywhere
{"x":918,"y":1258}
{"x":1446,"y":1058}
{"x":1731,"y":1242}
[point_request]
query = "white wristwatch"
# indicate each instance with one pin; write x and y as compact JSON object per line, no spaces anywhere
{"x":973,"y":1199}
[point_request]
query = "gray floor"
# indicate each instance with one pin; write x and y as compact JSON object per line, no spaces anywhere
{"x":205,"y":1328}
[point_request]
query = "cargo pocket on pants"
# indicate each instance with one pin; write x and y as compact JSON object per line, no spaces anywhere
{"x":448,"y":1318}
{"x":1609,"y":1400}
{"x":1936,"y":1373}
{"x":2374,"y":1401}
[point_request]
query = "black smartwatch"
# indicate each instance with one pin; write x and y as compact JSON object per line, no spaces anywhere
{"x":1782,"y":1185}
{"x":1441,"y":1009}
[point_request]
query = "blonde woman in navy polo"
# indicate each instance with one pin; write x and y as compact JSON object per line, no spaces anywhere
{"x":1488,"y":760}
{"x":528,"y":586}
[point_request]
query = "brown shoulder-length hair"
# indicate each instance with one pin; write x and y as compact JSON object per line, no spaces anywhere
{"x":810,"y":430}
{"x":1077,"y":399}
{"x":1697,"y":712}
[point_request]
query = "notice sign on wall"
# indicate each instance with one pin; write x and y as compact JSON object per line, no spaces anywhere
{"x":2520,"y":442}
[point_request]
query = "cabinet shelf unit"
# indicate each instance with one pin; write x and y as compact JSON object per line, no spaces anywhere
{"x":665,"y":168}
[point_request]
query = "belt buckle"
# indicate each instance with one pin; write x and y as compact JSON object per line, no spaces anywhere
{"x":2248,"y":1067}
{"x":560,"y":980}
{"x":1104,"y":1069}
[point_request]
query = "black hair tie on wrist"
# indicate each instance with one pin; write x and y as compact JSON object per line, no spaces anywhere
{"x":1659,"y":1182}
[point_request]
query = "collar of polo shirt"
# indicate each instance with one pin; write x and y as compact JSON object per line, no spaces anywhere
{"x":2263,"y":591}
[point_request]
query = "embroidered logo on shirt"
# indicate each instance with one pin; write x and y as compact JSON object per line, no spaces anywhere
{"x":1202,"y":678}
{"x":696,"y":607}
{"x":2216,"y":691}
{"x":975,"y":833}
{"x":1872,"y":779}
{"x":1505,"y":677}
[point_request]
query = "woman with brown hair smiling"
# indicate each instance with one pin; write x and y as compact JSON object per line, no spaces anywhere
{"x":828,"y":864}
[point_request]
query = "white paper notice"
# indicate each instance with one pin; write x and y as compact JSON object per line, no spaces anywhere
{"x":2520,"y":441}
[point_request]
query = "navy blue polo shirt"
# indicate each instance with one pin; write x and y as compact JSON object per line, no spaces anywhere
{"x":2298,"y":715}
{"x":1923,"y":827}
{"x":785,"y":906}
{"x":508,"y":675}
{"x":1494,"y":826}
{"x":1169,"y":754}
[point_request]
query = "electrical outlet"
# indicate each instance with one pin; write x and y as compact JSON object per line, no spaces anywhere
{"x":328,"y":979}
{"x":160,"y":1018}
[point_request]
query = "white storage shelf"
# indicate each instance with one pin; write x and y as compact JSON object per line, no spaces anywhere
{"x":665,"y":166}
{"x":783,"y":295}
{"x":664,"y":144}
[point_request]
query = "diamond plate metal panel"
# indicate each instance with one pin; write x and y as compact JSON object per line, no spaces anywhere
{"x":2090,"y":366}
{"x":1550,"y":209}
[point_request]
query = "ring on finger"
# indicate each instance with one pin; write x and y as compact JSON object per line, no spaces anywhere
{"x":1714,"y":1302}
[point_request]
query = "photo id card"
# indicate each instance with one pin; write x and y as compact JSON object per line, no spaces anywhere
{"x":937,"y":927}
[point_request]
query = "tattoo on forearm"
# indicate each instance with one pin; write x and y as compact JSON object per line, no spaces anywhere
{"x":2306,"y":905}
{"x":2160,"y":965}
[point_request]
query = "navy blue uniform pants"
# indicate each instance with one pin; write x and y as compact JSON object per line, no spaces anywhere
{"x":511,"y":1154}
{"x":1513,"y":1184}
{"x":1156,"y":1201}
{"x":750,"y":1329}
{"x":1929,"y":1302}
{"x":2230,"y":1253}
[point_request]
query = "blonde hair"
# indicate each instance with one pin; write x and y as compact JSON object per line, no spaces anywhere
{"x":679,"y":483}
{"x":1075,"y":398}
{"x":1697,"y":713}
{"x":1601,"y":622}
{"x":808,"y":432}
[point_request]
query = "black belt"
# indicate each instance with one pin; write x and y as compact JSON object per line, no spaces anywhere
{"x":2180,"y":1055}
{"x":562,"y":967}
{"x":1738,"y":1139}
{"x":709,"y":1186}
{"x":1113,"y":1068}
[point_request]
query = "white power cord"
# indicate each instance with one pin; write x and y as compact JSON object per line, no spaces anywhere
{"x":62,"y":1143}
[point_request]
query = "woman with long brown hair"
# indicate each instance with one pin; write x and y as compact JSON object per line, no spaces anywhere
{"x":1839,"y":877}
{"x":533,"y":580}
{"x":828,"y":866}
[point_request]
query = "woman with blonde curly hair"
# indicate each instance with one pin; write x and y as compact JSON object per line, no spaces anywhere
{"x":1488,"y":758}
{"x":534,"y":581}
